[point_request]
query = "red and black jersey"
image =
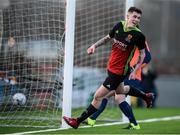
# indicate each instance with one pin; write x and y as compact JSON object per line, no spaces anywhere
{"x":125,"y":42}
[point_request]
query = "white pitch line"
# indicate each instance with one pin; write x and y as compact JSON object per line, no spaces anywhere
{"x":100,"y":125}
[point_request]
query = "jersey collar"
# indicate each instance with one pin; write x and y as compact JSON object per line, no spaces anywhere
{"x":129,"y":29}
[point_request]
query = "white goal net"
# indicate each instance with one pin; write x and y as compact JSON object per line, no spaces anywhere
{"x":32,"y":59}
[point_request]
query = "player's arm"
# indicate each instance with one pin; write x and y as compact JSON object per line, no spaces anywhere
{"x":138,"y":65}
{"x":147,"y":58}
{"x":140,"y":59}
{"x":104,"y":40}
{"x":141,"y":44}
{"x":99,"y":43}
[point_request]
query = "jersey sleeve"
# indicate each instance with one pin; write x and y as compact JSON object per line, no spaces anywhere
{"x":147,"y":57}
{"x":141,"y":42}
{"x":113,"y":30}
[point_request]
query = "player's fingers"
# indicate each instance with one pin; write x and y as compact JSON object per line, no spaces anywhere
{"x":93,"y":50}
{"x":90,"y":50}
{"x":132,"y":77}
{"x":129,"y":78}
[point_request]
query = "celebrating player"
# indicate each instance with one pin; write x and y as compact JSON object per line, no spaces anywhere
{"x":126,"y":37}
{"x":120,"y":98}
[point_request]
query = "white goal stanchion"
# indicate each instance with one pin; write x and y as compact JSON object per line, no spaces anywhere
{"x":68,"y":60}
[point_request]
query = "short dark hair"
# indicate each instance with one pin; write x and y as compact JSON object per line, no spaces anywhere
{"x":134,"y":9}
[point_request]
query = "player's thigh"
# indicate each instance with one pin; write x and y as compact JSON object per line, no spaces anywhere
{"x":120,"y":88}
{"x":120,"y":98}
{"x":110,"y":94}
{"x":112,"y":81}
{"x":126,"y":89}
{"x":134,"y":83}
{"x":101,"y":92}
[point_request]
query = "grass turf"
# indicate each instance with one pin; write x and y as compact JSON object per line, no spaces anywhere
{"x":162,"y":127}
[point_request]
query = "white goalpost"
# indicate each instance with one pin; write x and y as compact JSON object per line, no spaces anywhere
{"x":43,"y":56}
{"x":68,"y":60}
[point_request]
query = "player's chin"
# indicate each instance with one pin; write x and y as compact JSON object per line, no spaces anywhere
{"x":134,"y":24}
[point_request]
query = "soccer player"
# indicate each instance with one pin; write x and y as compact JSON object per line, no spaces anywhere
{"x":120,"y":99}
{"x":126,"y":37}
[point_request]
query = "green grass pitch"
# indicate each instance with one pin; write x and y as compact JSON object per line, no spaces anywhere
{"x":156,"y":127}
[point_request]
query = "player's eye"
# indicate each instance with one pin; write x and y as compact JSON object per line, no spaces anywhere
{"x":137,"y":17}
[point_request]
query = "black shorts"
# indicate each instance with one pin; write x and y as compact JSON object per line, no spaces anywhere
{"x":113,"y":81}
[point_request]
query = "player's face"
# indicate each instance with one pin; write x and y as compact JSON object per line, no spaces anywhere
{"x":133,"y":19}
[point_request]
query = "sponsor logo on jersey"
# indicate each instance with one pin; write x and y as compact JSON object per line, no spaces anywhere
{"x":120,"y":45}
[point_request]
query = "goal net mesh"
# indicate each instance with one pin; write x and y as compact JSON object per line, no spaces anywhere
{"x":32,"y":59}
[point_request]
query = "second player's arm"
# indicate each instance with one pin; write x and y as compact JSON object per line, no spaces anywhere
{"x":140,"y":59}
{"x":138,"y":65}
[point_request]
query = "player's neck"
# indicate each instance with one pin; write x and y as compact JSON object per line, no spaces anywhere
{"x":127,"y":27}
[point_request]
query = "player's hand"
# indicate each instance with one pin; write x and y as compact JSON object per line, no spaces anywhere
{"x":132,"y":76}
{"x":91,"y":49}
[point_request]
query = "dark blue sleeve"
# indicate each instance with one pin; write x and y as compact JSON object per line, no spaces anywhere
{"x":147,"y":58}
